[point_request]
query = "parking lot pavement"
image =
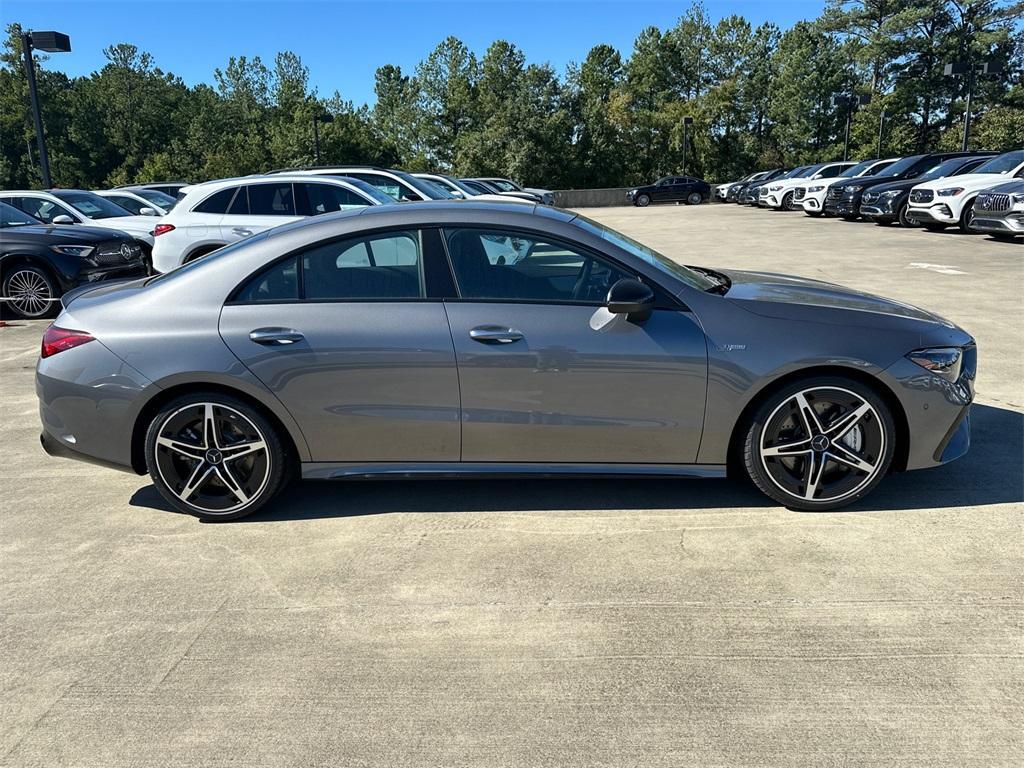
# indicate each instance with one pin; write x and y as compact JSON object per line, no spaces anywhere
{"x":547,"y":623}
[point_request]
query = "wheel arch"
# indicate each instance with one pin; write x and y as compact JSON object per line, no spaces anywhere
{"x":899,"y":416}
{"x":164,"y":396}
{"x":201,"y":250}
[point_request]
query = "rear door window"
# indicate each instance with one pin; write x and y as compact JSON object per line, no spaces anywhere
{"x":271,"y":200}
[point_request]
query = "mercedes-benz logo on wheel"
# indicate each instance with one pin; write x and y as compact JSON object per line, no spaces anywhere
{"x":214,"y":456}
{"x":819,"y":443}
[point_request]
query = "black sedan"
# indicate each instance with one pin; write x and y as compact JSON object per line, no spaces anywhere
{"x":671,"y":189}
{"x":844,"y":197}
{"x":40,"y":262}
{"x":887,"y":203}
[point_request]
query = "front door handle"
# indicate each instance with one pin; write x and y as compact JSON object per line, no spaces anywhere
{"x":275,"y":337}
{"x":495,"y":334}
{"x":242,"y":231}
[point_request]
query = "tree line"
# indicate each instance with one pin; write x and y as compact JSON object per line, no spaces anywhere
{"x":758,"y":96}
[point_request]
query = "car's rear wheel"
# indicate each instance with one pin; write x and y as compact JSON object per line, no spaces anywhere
{"x":30,"y":292}
{"x":214,"y":456}
{"x":820,"y":444}
{"x":694,"y":198}
{"x":643,"y":200}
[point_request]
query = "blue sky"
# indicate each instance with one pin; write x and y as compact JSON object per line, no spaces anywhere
{"x":342,"y":43}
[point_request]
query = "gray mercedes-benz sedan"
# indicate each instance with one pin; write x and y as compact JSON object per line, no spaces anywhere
{"x":471,"y":338}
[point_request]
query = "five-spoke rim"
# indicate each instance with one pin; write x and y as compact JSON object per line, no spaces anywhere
{"x":28,"y":292}
{"x":212,"y":457}
{"x":823,"y":444}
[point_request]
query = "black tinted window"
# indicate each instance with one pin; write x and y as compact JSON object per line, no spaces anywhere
{"x":240,"y":205}
{"x":382,"y":266}
{"x":491,"y":264}
{"x":280,"y":282}
{"x":271,"y":200}
{"x":44,"y":210}
{"x":217,"y":202}
{"x":314,"y":199}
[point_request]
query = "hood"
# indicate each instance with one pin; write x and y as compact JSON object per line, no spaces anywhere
{"x":771,"y":295}
{"x":51,"y":234}
{"x":865,"y":181}
{"x":899,"y":186}
{"x":134,"y":224}
{"x":808,"y":183}
{"x":1008,"y":187}
{"x":968,"y":181}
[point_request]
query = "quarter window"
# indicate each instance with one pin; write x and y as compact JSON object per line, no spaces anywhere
{"x":217,"y":202}
{"x":279,"y":282}
{"x":492,"y":264}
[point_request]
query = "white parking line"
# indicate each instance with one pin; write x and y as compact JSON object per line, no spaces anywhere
{"x":942,"y":269}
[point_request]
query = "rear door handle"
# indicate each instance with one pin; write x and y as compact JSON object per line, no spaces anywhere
{"x":495,"y":334}
{"x":242,"y":231}
{"x":275,"y":337}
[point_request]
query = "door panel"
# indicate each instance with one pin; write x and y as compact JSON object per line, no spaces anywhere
{"x":366,"y":381}
{"x":571,"y":383}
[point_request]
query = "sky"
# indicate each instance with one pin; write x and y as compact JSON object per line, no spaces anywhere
{"x":342,"y":42}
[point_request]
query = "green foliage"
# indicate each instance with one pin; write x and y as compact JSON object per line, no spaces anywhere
{"x":757,"y":97}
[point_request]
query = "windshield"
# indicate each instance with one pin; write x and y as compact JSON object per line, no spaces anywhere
{"x":900,"y":166}
{"x":12,"y":217}
{"x":428,"y":188}
{"x":856,"y":170}
{"x":661,"y":263}
{"x":793,"y":174}
{"x":947,"y":168}
{"x":156,"y":197}
{"x":461,"y":186}
{"x":507,"y":186}
{"x":1002,"y":163}
{"x":92,"y":206}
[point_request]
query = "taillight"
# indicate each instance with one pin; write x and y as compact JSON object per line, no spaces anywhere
{"x":162,"y":229}
{"x":59,"y":339}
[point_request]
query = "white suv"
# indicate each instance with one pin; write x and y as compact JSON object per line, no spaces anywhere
{"x":141,"y":202}
{"x":398,"y":185}
{"x":781,"y":193}
{"x":76,"y":206}
{"x":217,"y":213}
{"x":944,"y":202}
{"x":810,"y":195}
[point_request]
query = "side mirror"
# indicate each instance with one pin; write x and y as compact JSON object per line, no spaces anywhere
{"x":632,"y":298}
{"x":62,"y":219}
{"x":146,"y":211}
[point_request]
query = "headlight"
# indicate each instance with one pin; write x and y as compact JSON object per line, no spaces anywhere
{"x":944,"y":362}
{"x":854,"y":188}
{"x":1016,"y":200}
{"x":950,"y":191}
{"x":816,"y":189}
{"x":775,"y":188}
{"x":890,"y":194}
{"x":72,"y":250}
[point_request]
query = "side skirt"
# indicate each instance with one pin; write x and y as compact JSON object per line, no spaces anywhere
{"x":392,"y":470}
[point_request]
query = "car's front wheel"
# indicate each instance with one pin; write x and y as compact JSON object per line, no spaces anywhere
{"x":904,"y":217}
{"x":30,"y":292}
{"x":820,"y":444}
{"x":214,"y":456}
{"x":967,"y":218}
{"x":643,"y":200}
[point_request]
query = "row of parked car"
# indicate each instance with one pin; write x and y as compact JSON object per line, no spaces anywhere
{"x":54,"y":240}
{"x":975,"y":191}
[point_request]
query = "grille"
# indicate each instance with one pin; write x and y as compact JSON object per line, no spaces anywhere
{"x":922,"y":196}
{"x":799,"y":193}
{"x":117,"y":252}
{"x":869,"y":197}
{"x":993,"y":203}
{"x":834,"y":193}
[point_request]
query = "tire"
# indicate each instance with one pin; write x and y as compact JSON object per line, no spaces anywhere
{"x":787,"y":202}
{"x":694,"y":198}
{"x":30,"y":290}
{"x":233,"y":469}
{"x":966,"y":217}
{"x":642,"y":201}
{"x":845,"y":455}
{"x":902,"y":216}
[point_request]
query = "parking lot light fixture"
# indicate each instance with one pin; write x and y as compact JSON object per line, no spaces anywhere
{"x":970,"y":70}
{"x":319,"y":117}
{"x":687,"y":121}
{"x":850,"y":102}
{"x":51,"y":42}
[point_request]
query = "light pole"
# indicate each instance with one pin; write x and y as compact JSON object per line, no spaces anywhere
{"x":51,"y":42}
{"x":686,"y":121}
{"x":319,"y":117}
{"x":960,"y":68}
{"x":881,"y":130}
{"x":850,"y":102}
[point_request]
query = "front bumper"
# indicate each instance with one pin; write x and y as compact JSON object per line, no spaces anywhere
{"x":813,"y":202}
{"x":937,"y":211}
{"x":1010,"y":223}
{"x":842,"y":207}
